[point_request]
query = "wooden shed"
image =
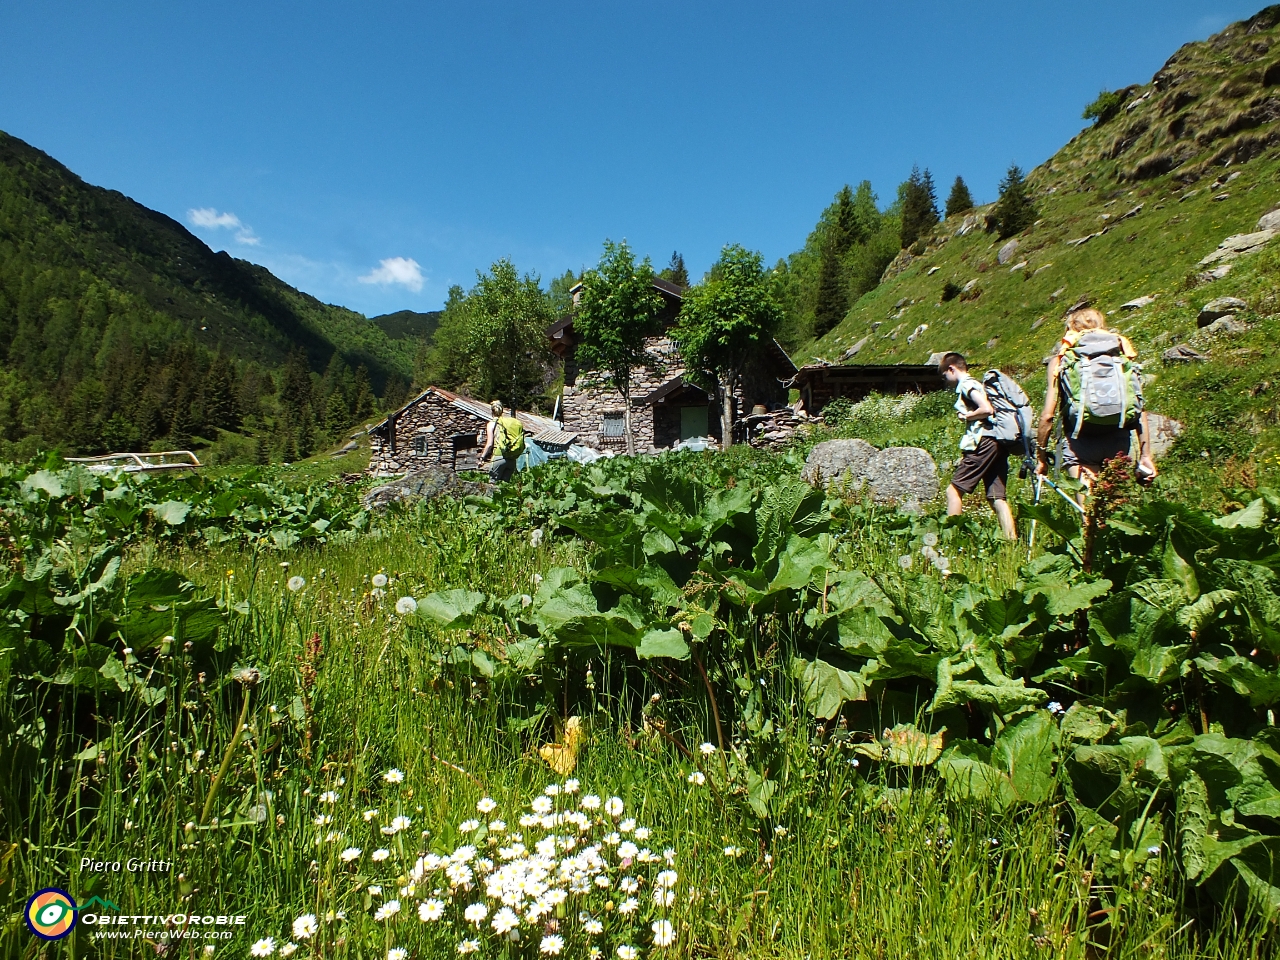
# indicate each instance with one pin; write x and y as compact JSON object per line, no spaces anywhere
{"x":820,"y":383}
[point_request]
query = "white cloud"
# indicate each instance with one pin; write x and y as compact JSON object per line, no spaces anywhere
{"x":399,"y":270}
{"x":211,"y":218}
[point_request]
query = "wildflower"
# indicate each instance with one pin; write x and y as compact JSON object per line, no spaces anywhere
{"x":397,"y":824}
{"x":552,"y":944}
{"x":592,"y":927}
{"x":697,"y":778}
{"x":1055,"y":708}
{"x":930,"y":539}
{"x":397,"y":953}
{"x":305,"y":927}
{"x":328,"y":797}
{"x":571,"y":786}
{"x":627,"y":952}
{"x":733,"y":851}
{"x":349,"y":854}
{"x":379,"y":580}
{"x":595,"y":953}
{"x":369,"y":814}
{"x":497,"y":826}
{"x":382,"y":853}
{"x":387,"y":910}
{"x":541,"y":805}
{"x":628,"y":850}
{"x":263,"y":948}
{"x":406,"y":606}
{"x":665,"y":898}
{"x":475,"y":913}
{"x":663,"y":933}
{"x":430,"y":910}
{"x":296,"y":583}
{"x":459,"y":874}
{"x":535,"y":538}
{"x":780,"y":830}
{"x":1154,"y":851}
{"x":487,"y":805}
{"x":374,"y":890}
{"x":288,"y":950}
{"x":666,"y":879}
{"x":629,"y":905}
{"x":627,"y":825}
{"x":642,"y":833}
{"x":707,"y":749}
{"x":322,"y":820}
{"x":504,"y":921}
{"x":589,"y":802}
{"x":393,"y":776}
{"x":469,"y":946}
{"x":209,"y":950}
{"x":904,"y":561}
{"x":467,"y":826}
{"x":613,"y":807}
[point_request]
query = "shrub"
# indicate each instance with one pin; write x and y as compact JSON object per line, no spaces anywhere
{"x":950,"y":290}
{"x":1106,"y":106}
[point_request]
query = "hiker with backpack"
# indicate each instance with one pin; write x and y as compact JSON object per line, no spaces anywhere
{"x":998,"y":420}
{"x":1096,"y":382}
{"x":504,"y":438}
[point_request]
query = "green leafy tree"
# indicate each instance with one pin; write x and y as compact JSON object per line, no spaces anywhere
{"x":507,"y":315}
{"x":726,"y":320}
{"x":676,"y":271}
{"x":960,"y":199}
{"x":1106,"y":106}
{"x":559,"y":292}
{"x":617,"y":310}
{"x":919,"y":207}
{"x":1015,"y":210}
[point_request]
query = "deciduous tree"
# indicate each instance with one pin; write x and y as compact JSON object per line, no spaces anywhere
{"x":726,"y":320}
{"x":618,"y":308}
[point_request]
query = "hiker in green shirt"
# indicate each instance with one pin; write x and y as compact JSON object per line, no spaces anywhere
{"x":504,"y":438}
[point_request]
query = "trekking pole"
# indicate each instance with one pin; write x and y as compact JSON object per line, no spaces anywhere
{"x":1031,"y":540}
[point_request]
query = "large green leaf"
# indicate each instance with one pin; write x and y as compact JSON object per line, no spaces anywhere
{"x":452,"y":608}
{"x":662,"y":643}
{"x":171,"y":512}
{"x":826,"y":688}
{"x":1250,"y":517}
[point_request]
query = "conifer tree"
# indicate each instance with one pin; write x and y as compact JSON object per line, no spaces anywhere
{"x":843,"y":230}
{"x":1015,"y":210}
{"x":919,"y":206}
{"x":676,"y":271}
{"x":960,"y":200}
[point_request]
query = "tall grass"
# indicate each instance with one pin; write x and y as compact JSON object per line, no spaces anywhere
{"x":348,"y":689}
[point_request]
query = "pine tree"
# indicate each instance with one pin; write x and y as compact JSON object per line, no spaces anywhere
{"x":960,"y":200}
{"x":843,"y":229}
{"x":676,"y":271}
{"x":1015,"y":210}
{"x":295,"y":386}
{"x":219,"y":394}
{"x":919,"y":206}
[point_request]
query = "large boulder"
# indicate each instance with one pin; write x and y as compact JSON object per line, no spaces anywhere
{"x":1164,"y":431}
{"x":902,"y":475}
{"x":1221,"y":307}
{"x":424,"y":484}
{"x":838,"y":461}
{"x":1270,"y":221}
{"x":1006,"y":252}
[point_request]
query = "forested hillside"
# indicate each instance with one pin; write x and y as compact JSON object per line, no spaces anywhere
{"x":119,"y":329}
{"x":1122,"y":217}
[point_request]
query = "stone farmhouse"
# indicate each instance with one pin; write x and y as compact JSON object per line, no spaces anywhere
{"x":666,"y":406}
{"x":441,"y":428}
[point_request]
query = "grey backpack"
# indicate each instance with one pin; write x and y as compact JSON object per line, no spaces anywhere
{"x":1011,"y":423}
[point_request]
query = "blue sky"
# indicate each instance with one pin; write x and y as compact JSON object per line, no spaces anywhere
{"x":375,"y":154}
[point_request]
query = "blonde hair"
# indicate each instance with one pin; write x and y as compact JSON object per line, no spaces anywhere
{"x":1086,"y":318}
{"x":495,"y":407}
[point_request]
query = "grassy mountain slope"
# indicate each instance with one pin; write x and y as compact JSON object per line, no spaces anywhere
{"x":59,"y":232}
{"x":1196,"y":153}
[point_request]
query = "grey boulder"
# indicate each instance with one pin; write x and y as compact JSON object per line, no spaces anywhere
{"x":424,"y":484}
{"x":1183,"y":353}
{"x":1221,"y":307}
{"x":902,"y":475}
{"x":838,"y":461}
{"x":1006,"y":252}
{"x":1270,"y":221}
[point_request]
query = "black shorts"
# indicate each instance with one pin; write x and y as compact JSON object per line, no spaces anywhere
{"x":989,"y":463}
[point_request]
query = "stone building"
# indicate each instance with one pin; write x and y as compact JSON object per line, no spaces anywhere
{"x":439,"y":427}
{"x":666,"y":406}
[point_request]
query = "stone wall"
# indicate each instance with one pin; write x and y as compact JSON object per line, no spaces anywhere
{"x":435,"y":420}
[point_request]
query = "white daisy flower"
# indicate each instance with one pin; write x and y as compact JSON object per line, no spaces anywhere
{"x":628,"y":952}
{"x":469,"y":946}
{"x":430,"y":910}
{"x":628,"y":906}
{"x":613,"y":807}
{"x":349,"y":854}
{"x":487,"y":805}
{"x":667,"y":879}
{"x":288,"y":950}
{"x":393,"y":776}
{"x":697,"y":778}
{"x":475,"y":913}
{"x":397,"y":953}
{"x":504,"y":921}
{"x":592,"y":927}
{"x":589,"y":802}
{"x":305,"y":927}
{"x":263,"y":948}
{"x":663,"y":933}
{"x":551,"y":944}
{"x":541,"y":805}
{"x":467,"y":826}
{"x":382,"y":853}
{"x":571,"y":786}
{"x":387,"y":910}
{"x":369,"y":814}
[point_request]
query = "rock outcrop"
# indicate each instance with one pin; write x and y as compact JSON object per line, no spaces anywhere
{"x":424,"y":484}
{"x":894,"y":475}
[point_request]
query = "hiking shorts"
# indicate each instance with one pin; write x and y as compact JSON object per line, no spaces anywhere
{"x":1091,"y":450}
{"x":989,"y":463}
